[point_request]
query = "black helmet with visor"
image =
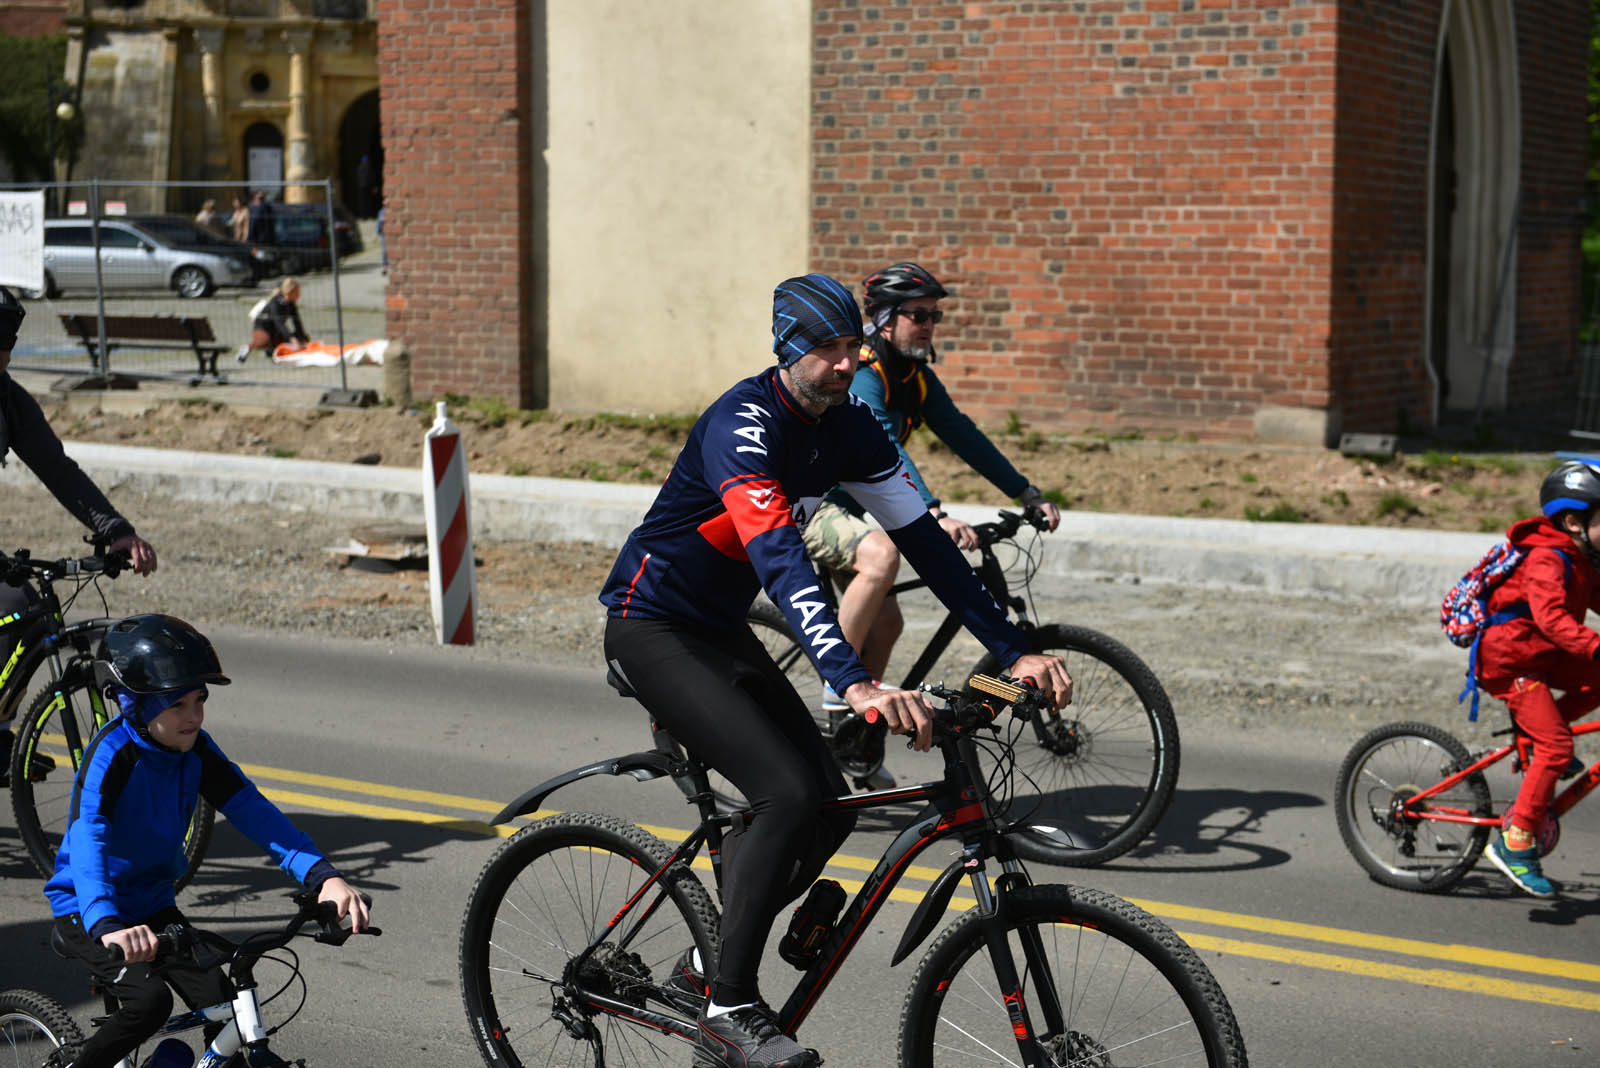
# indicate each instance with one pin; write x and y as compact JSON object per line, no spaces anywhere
{"x":153,"y":653}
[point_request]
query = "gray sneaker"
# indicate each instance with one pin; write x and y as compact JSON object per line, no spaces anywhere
{"x":748,"y":1038}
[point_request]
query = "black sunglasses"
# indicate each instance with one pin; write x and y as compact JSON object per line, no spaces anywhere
{"x":920,"y":315}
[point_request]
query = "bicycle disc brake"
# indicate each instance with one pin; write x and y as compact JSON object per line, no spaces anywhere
{"x":1076,"y":1048}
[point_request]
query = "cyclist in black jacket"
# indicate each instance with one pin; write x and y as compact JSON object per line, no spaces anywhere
{"x":24,"y":431}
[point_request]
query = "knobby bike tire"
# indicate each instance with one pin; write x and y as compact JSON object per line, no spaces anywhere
{"x":1101,"y":777}
{"x":540,"y":900}
{"x":43,"y":767}
{"x":32,"y":1025}
{"x":1388,"y":765}
{"x":1130,"y":990}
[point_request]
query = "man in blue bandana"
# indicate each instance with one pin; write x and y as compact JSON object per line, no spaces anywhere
{"x":726,"y":525}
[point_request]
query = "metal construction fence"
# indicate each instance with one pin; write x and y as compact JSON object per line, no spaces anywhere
{"x":135,"y":291}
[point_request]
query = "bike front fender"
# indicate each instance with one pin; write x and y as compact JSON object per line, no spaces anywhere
{"x":652,"y":764}
{"x":929,"y":909}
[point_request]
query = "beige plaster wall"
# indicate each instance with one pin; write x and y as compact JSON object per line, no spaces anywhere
{"x":678,"y":178}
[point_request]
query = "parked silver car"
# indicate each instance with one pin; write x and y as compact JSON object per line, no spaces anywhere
{"x":132,"y":257}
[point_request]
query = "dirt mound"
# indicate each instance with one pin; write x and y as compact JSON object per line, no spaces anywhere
{"x":1433,"y":489}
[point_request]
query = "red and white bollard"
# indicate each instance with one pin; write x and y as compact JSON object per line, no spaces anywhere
{"x":452,"y":578}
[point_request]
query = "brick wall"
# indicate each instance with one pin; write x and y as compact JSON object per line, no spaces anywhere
{"x":456,"y":79}
{"x":33,"y":18}
{"x":1130,"y":200}
{"x":1552,"y":60}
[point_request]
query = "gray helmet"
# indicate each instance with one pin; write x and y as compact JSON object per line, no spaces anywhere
{"x":1572,"y":487}
{"x":156,"y":653}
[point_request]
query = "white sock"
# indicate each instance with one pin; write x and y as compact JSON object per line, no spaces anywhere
{"x":713,"y":1009}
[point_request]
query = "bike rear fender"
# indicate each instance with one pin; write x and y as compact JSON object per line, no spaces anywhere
{"x":652,"y":764}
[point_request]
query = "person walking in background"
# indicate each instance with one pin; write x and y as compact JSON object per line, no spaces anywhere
{"x":207,"y":216}
{"x":260,"y":220}
{"x":240,"y":220}
{"x":383,"y":243}
{"x":366,"y":188}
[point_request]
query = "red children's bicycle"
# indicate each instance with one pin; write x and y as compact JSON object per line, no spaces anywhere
{"x":1415,"y":809}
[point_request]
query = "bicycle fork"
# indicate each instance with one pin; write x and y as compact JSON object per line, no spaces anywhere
{"x":993,"y":907}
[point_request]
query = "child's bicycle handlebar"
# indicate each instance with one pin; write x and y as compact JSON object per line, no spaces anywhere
{"x":205,"y":949}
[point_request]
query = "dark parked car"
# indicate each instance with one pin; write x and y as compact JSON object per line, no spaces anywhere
{"x":183,"y":232}
{"x":300,"y":236}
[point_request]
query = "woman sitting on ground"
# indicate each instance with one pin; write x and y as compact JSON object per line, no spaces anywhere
{"x":278,"y":323}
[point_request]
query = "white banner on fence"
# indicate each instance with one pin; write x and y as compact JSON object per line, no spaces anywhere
{"x":22,"y":239}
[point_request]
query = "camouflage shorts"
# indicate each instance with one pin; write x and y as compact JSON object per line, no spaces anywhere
{"x":832,"y":537}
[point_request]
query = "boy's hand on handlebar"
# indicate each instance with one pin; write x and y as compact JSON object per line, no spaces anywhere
{"x":139,"y":550}
{"x":961,"y":533}
{"x":137,"y":943}
{"x":347,"y":900}
{"x":905,"y":711}
{"x":1048,"y":673}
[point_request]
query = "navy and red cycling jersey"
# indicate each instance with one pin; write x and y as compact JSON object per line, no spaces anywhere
{"x":725,"y":525}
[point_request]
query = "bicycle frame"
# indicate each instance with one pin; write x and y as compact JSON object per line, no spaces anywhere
{"x":45,"y":634}
{"x":1564,"y":802}
{"x":957,"y":806}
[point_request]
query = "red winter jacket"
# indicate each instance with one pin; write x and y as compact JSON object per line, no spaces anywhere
{"x":1558,"y":593}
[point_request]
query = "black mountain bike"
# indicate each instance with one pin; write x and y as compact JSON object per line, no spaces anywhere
{"x":573,"y":933}
{"x":56,"y":723}
{"x":1098,"y":775}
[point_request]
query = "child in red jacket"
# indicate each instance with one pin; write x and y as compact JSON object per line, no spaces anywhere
{"x":1545,"y":646}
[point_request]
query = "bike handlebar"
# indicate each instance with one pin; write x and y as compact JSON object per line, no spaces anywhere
{"x":1006,"y":527}
{"x":965,"y":711}
{"x":207,"y":948}
{"x":20,"y":567}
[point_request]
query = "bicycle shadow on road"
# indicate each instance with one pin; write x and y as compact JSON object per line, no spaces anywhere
{"x":1218,"y":823}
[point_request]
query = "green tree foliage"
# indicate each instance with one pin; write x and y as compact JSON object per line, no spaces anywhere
{"x":27,"y":67}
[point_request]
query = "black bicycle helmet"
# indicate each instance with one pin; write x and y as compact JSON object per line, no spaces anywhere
{"x":1572,"y":487}
{"x":11,"y":315}
{"x":156,"y":653}
{"x":897,"y":284}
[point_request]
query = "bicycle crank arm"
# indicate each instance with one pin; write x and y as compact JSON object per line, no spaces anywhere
{"x":642,"y":766}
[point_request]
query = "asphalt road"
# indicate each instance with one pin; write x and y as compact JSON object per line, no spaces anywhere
{"x":392,"y":759}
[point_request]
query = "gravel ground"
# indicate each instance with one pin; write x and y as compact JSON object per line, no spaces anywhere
{"x":1226,"y":659}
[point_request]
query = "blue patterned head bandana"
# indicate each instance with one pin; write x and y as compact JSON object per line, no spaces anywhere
{"x":808,"y":312}
{"x":141,"y":708}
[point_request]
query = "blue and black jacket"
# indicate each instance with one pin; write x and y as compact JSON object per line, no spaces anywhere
{"x":122,"y":853}
{"x":726,"y":525}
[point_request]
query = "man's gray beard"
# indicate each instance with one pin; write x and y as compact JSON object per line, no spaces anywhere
{"x":917,"y":352}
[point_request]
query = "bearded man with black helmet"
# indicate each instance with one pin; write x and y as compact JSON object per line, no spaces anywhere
{"x":897,"y":381}
{"x":24,"y":431}
{"x":1536,"y":642}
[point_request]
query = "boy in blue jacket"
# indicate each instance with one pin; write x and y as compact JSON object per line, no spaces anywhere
{"x":116,"y":872}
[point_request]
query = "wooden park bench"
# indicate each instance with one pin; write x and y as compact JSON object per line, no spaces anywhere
{"x":187,"y":333}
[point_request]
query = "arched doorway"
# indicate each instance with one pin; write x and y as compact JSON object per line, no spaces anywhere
{"x":1476,"y":164}
{"x":263,"y":159}
{"x":360,"y":137}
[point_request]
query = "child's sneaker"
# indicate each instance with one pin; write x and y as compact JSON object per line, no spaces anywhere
{"x":1521,"y":866}
{"x":832,"y":702}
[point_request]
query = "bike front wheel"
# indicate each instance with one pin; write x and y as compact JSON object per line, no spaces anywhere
{"x":52,"y":738}
{"x":1103,"y":982}
{"x":542,"y":979}
{"x":31,"y":1026}
{"x":1094,"y":778}
{"x":1394,"y":841}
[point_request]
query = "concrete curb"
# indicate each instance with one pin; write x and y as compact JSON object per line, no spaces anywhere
{"x":1327,"y":561}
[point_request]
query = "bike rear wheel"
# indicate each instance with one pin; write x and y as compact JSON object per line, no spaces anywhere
{"x":541,"y":900}
{"x":31,"y":1026}
{"x":1402,"y":848}
{"x":1127,"y":989}
{"x":51,"y":739}
{"x":1105,"y":766}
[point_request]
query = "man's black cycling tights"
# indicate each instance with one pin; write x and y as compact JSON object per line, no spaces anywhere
{"x":723,"y":699}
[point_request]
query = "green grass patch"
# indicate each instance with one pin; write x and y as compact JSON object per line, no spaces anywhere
{"x":1337,"y":499}
{"x":1282,"y":512}
{"x":1246,"y":476}
{"x":281,"y":453}
{"x":1397,"y":504}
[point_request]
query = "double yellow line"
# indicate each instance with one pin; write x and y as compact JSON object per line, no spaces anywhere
{"x":1275,"y":940}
